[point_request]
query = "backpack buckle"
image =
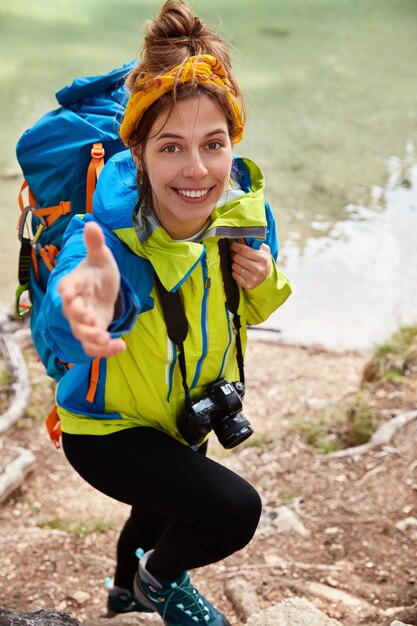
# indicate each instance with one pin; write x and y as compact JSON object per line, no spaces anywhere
{"x":97,"y":151}
{"x":29,"y":209}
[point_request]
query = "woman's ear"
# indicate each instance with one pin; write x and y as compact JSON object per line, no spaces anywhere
{"x":136,"y":153}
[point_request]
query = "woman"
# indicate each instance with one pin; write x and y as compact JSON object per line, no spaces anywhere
{"x":135,"y":421}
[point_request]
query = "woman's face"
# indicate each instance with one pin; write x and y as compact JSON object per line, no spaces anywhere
{"x":188,"y":159}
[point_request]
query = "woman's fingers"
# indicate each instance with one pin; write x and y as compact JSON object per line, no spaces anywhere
{"x":250,"y":266}
{"x":110,"y":348}
{"x":97,"y":342}
{"x":94,"y":241}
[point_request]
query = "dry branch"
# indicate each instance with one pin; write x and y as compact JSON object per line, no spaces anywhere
{"x":20,"y":383}
{"x":381,"y":437}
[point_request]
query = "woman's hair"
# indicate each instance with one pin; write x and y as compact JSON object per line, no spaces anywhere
{"x":170,"y":40}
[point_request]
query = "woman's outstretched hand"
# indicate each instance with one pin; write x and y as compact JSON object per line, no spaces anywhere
{"x":89,"y":294}
{"x":250,"y":267}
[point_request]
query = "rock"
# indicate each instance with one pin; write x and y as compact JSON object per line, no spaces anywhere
{"x":39,"y":618}
{"x":81,"y":597}
{"x":292,"y":612}
{"x":397,"y":623}
{"x":404,"y":524}
{"x":284,"y":520}
{"x":243,"y":598}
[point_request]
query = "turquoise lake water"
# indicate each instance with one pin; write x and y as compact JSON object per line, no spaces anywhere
{"x":332,"y":90}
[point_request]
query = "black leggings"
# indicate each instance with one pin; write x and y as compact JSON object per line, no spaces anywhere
{"x":190,"y":509}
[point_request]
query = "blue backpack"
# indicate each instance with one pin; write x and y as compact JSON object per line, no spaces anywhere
{"x":61,"y":157}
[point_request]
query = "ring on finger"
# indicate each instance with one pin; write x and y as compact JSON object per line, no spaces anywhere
{"x":242,"y":270}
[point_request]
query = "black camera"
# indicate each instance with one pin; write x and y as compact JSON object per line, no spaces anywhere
{"x":219,"y":410}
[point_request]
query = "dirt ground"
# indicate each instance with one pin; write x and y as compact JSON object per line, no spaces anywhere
{"x":352,"y":553}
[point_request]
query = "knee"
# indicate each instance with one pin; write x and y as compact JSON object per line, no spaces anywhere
{"x":240,"y":517}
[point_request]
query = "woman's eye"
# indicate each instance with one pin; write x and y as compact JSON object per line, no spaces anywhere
{"x":170,"y":149}
{"x":214,"y":145}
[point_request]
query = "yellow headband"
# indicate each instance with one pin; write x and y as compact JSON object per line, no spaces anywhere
{"x":205,"y":69}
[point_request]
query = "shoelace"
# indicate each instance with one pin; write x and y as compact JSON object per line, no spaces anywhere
{"x":184,"y":597}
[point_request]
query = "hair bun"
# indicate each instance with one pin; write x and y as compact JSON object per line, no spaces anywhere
{"x":174,"y":20}
{"x":174,"y":36}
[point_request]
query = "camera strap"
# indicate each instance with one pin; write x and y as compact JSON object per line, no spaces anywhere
{"x":176,"y":320}
{"x":177,"y":325}
{"x":232,"y":298}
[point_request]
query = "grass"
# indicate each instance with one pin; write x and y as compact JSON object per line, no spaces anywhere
{"x":395,"y":360}
{"x":360,"y":421}
{"x":80,"y":528}
{"x":258,"y":440}
{"x":5,"y":382}
{"x":352,"y":422}
{"x":5,"y":378}
{"x":338,"y":426}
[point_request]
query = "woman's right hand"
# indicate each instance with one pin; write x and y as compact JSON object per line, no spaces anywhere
{"x":89,"y":294}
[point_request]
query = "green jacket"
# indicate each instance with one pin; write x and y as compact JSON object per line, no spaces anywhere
{"x":142,"y":386}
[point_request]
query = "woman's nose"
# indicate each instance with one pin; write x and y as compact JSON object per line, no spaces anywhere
{"x":195,"y":166}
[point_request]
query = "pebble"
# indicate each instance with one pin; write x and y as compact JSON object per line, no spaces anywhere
{"x":81,"y":597}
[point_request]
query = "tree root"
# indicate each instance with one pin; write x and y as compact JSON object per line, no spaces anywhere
{"x":380,"y":438}
{"x":20,"y":385}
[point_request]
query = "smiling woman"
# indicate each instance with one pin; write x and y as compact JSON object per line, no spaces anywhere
{"x":150,"y":300}
{"x":188,"y":160}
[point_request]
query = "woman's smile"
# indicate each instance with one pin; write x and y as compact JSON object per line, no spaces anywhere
{"x":194,"y":195}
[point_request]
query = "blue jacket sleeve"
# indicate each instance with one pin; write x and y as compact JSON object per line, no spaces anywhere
{"x":51,"y":321}
{"x":271,"y":237}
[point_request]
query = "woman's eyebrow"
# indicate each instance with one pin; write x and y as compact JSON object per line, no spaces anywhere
{"x":217,"y":131}
{"x":168,"y":135}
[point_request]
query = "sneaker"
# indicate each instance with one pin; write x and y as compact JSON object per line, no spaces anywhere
{"x":122,"y":601}
{"x":177,"y":602}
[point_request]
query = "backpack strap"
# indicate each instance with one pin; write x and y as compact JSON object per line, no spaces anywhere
{"x":53,"y":423}
{"x":93,"y":172}
{"x":48,"y":254}
{"x":47,"y":215}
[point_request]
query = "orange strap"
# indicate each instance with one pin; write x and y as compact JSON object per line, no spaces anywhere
{"x":31,"y":197}
{"x":49,"y":255}
{"x":93,"y":172}
{"x":50,"y":213}
{"x":53,"y":423}
{"x":53,"y":426}
{"x":94,"y":376}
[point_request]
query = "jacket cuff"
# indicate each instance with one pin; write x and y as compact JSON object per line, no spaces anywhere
{"x":126,"y":310}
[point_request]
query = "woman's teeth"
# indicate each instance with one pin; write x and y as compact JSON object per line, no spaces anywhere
{"x":193,"y":193}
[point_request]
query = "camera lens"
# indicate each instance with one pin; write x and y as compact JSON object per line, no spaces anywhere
{"x":232,"y":430}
